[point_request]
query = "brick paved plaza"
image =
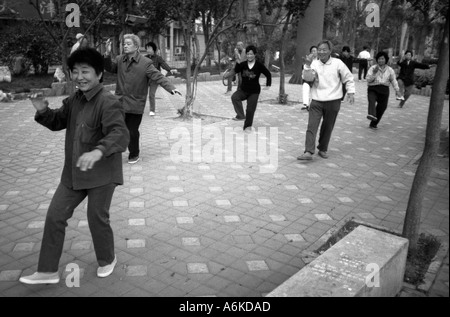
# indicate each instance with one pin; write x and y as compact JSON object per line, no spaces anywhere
{"x":216,"y":228}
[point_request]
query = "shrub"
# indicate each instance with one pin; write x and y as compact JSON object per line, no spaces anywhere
{"x":31,"y":41}
{"x":424,"y":77}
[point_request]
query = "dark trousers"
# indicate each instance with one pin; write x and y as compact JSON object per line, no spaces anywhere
{"x":405,"y":91}
{"x":252,"y":102}
{"x":61,"y":209}
{"x":133,"y":121}
{"x":327,"y":110}
{"x":378,"y":101}
{"x":363,"y":67}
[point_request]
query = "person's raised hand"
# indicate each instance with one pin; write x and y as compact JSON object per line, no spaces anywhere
{"x":307,"y":60}
{"x":39,"y":102}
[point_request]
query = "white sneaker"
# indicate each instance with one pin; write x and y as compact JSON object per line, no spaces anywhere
{"x":104,"y":271}
{"x":400,"y":98}
{"x":40,"y":278}
{"x":151,"y":113}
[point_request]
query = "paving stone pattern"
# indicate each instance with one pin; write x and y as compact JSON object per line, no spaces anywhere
{"x":216,"y":227}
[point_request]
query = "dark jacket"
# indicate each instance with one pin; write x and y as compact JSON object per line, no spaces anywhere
{"x":94,"y":120}
{"x":407,"y":71}
{"x":348,"y":61}
{"x":250,"y":77}
{"x":159,"y":62}
{"x":132,"y":80}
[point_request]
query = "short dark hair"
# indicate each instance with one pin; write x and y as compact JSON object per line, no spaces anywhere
{"x":409,"y":52}
{"x":251,"y":48}
{"x":87,"y":55}
{"x":153,"y":45}
{"x":346,"y":49}
{"x":382,"y":54}
{"x":313,"y":47}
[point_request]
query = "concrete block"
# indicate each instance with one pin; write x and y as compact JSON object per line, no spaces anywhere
{"x":365,"y":263}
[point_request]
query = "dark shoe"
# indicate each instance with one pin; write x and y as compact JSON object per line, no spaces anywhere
{"x":323,"y":154}
{"x":373,"y":127}
{"x":238,"y":119}
{"x":305,"y":157}
{"x":372,"y":118}
{"x":133,"y":160}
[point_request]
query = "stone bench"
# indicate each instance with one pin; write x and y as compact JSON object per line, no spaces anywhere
{"x":366,"y":262}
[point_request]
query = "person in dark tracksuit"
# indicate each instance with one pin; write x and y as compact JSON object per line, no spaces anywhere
{"x":406,"y":76}
{"x":250,"y":88}
{"x":96,"y":136}
{"x":379,"y":78}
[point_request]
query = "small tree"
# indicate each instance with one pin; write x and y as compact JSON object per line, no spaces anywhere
{"x":186,"y":12}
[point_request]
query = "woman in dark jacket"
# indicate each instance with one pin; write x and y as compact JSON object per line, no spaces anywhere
{"x":250,"y":88}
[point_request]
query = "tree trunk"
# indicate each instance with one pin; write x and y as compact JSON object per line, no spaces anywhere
{"x":282,"y":96}
{"x":349,"y":29}
{"x":309,"y":32}
{"x":403,"y":38}
{"x":413,"y":213}
{"x":242,"y":16}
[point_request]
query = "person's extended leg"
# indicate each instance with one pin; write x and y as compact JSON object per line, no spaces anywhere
{"x":152,"y":97}
{"x":60,"y":210}
{"x":237,"y":99}
{"x":383,"y":99}
{"x":133,"y":121}
{"x":372,"y":100}
{"x":252,"y":103}
{"x":330,"y":113}
{"x":99,"y":202}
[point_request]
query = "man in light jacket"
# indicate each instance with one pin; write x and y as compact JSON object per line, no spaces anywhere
{"x":328,"y":74}
{"x":134,"y":71}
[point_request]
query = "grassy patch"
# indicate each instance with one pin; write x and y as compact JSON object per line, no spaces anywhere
{"x":416,"y":264}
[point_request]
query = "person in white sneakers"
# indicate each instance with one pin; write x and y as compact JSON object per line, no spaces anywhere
{"x":379,"y":78}
{"x":159,"y":63}
{"x":307,"y":85}
{"x":328,"y":75}
{"x":96,"y":136}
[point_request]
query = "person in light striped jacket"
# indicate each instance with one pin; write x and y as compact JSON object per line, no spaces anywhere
{"x":379,"y":78}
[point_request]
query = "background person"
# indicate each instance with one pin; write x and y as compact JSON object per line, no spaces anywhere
{"x":379,"y":78}
{"x":306,"y":86}
{"x":159,"y":63}
{"x":96,"y":136}
{"x":134,"y":71}
{"x":406,"y":76}
{"x":364,"y":58}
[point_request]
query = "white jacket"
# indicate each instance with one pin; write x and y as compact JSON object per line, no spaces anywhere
{"x":329,"y":80}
